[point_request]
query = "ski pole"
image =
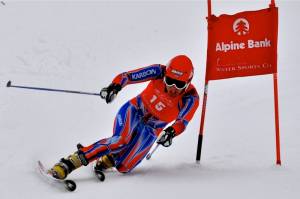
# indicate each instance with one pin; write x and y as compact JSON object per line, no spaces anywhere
{"x":50,"y":89}
{"x":151,"y":153}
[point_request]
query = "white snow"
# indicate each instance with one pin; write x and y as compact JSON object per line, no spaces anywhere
{"x":82,"y":45}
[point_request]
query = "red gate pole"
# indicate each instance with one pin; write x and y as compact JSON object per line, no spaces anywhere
{"x":208,"y":7}
{"x":275,"y":83}
{"x":272,"y":3}
{"x":201,"y":131}
{"x":278,"y":160}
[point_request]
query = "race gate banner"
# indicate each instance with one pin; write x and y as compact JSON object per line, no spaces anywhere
{"x":243,"y":44}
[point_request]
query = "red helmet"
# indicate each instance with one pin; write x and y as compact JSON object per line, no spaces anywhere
{"x":180,"y":68}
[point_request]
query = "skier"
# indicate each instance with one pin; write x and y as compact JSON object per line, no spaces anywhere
{"x":169,"y":96}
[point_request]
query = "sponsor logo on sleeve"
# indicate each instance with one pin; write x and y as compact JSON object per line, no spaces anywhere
{"x":143,"y":74}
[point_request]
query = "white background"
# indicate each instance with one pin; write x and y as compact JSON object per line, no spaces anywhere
{"x":82,"y":45}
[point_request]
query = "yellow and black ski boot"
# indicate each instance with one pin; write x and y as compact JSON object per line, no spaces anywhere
{"x":105,"y":162}
{"x":67,"y":165}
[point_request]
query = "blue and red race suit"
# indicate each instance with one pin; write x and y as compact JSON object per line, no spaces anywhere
{"x":140,"y":120}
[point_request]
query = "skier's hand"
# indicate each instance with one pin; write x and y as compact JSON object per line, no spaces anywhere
{"x":166,"y":137}
{"x":109,"y":93}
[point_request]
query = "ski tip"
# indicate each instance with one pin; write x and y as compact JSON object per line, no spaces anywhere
{"x":8,"y":84}
{"x":41,"y":166}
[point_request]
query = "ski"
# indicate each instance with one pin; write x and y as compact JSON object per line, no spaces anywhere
{"x":70,"y":185}
{"x":99,"y":174}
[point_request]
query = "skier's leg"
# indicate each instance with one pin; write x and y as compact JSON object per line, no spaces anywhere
{"x":126,"y":120}
{"x":137,"y":149}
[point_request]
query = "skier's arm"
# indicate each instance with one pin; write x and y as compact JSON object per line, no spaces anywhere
{"x":131,"y":77}
{"x":139,"y":75}
{"x":191,"y":103}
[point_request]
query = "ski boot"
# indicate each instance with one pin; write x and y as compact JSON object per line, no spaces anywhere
{"x":66,"y":165}
{"x":105,"y":162}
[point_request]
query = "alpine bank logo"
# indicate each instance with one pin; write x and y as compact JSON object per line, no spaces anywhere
{"x":241,"y":26}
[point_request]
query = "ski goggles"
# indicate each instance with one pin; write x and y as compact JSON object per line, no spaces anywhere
{"x":173,"y":82}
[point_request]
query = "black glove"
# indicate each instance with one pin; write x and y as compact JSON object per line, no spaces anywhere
{"x":109,"y":93}
{"x":166,"y":137}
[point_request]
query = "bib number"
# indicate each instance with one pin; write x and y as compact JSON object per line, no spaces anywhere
{"x":159,"y":106}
